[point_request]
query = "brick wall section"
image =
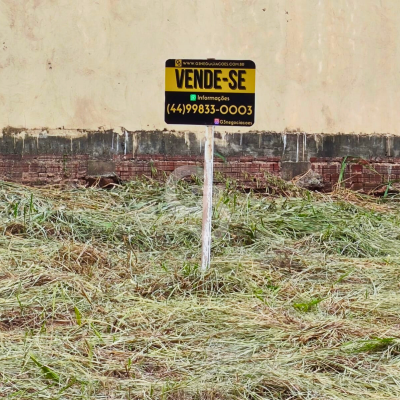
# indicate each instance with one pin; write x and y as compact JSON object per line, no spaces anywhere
{"x":51,"y":169}
{"x":250,"y":171}
{"x":366,"y":176}
{"x":360,"y":175}
{"x":43,"y":169}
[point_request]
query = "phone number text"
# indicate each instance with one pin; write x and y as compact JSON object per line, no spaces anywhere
{"x":208,"y":109}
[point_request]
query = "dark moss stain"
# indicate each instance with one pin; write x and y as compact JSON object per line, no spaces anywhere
{"x":290,"y":147}
{"x":10,"y":130}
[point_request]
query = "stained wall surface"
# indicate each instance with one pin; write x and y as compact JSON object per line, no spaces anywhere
{"x":323,"y":66}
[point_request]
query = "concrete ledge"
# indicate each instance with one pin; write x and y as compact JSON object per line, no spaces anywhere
{"x":290,"y":169}
{"x":295,"y":147}
{"x":99,"y":167}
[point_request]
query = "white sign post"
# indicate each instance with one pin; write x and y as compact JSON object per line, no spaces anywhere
{"x":207,"y":199}
{"x":209,"y":92}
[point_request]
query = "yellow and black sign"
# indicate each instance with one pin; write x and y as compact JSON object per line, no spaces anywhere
{"x":210,"y":92}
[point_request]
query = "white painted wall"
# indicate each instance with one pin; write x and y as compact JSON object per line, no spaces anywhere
{"x":322,"y":65}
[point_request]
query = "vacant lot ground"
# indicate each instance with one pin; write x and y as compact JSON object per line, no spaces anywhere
{"x":101,"y":296}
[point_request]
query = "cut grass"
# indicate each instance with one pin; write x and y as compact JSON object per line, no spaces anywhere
{"x":101,"y":295}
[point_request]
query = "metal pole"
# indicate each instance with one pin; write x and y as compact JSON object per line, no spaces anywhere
{"x":207,"y":199}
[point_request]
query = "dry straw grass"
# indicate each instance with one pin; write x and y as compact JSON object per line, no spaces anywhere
{"x":101,"y":296}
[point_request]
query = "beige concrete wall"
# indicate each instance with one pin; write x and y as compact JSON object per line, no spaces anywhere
{"x":322,"y":65}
